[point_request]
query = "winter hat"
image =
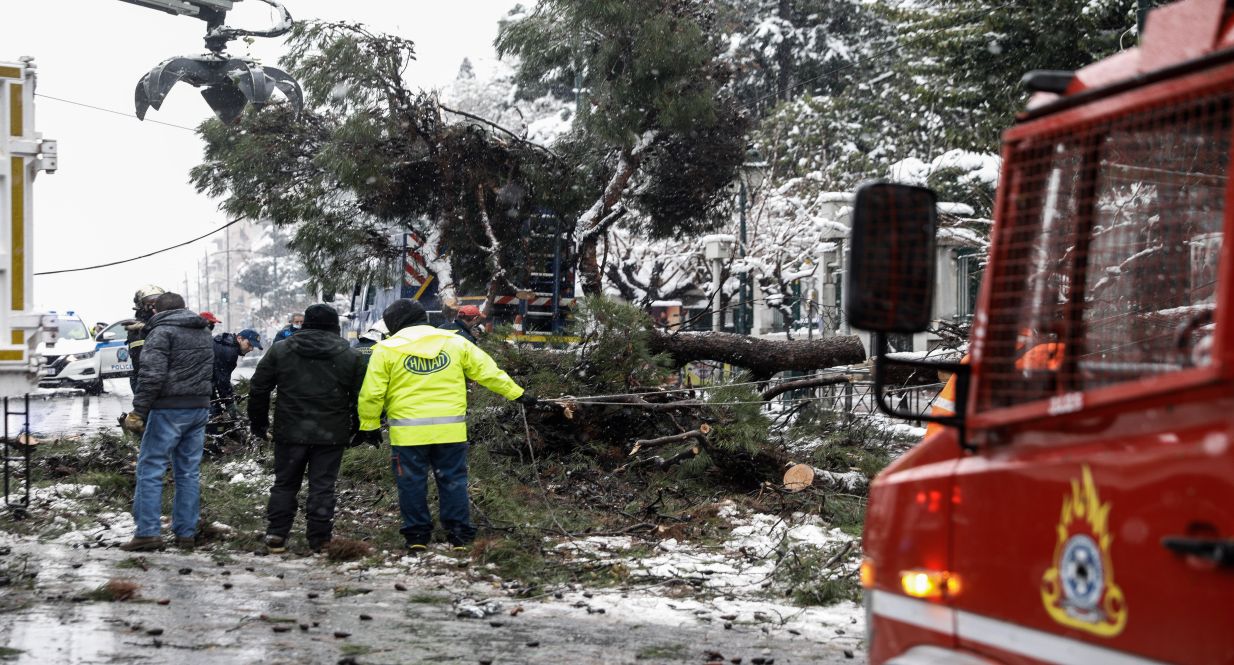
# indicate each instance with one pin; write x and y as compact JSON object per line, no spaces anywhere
{"x":210,"y":317}
{"x":470,"y":312}
{"x":252,"y":336}
{"x":404,"y":313}
{"x":321,"y":317}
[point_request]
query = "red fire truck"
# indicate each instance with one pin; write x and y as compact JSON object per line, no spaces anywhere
{"x":1079,"y":508}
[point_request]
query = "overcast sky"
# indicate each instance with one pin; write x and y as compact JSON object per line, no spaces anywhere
{"x":122,"y":189}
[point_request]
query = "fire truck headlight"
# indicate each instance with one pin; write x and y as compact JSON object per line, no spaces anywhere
{"x":867,"y":573}
{"x":930,"y":584}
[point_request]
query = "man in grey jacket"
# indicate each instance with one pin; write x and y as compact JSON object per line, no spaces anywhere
{"x":170,"y":410}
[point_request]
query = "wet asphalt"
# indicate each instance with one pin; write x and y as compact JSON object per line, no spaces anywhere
{"x":68,"y":412}
{"x":271,"y":610}
{"x":191,"y":609}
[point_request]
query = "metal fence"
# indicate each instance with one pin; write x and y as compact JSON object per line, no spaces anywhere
{"x":851,"y":399}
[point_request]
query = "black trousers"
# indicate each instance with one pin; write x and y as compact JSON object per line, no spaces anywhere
{"x":291,"y":463}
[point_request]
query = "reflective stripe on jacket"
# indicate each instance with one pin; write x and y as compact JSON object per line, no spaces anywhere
{"x":944,"y":405}
{"x":419,"y":378}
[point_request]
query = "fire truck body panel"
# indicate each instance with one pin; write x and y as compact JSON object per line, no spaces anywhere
{"x":1093,"y":521}
{"x":908,"y":527}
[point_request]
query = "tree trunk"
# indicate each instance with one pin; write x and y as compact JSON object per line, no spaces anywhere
{"x":763,"y":357}
{"x":594,"y":223}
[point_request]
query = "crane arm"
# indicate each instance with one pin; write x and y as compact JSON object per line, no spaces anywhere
{"x":185,"y":7}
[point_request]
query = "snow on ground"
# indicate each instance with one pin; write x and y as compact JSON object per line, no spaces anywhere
{"x":247,"y":471}
{"x":676,"y":585}
{"x":738,"y":578}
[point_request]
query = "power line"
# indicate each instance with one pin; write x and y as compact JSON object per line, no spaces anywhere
{"x":114,"y":112}
{"x":143,"y":256}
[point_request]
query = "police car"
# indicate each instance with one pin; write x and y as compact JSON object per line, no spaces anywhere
{"x":82,"y":360}
{"x":70,"y":362}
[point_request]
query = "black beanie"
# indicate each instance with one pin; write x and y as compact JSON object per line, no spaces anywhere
{"x":321,"y":317}
{"x":404,"y":313}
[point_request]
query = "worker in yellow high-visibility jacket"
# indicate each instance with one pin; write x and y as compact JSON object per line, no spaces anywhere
{"x":418,"y":377}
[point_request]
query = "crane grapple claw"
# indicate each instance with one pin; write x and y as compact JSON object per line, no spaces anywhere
{"x":227,"y":84}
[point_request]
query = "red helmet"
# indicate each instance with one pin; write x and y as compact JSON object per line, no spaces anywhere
{"x":469,"y":311}
{"x":210,"y":318}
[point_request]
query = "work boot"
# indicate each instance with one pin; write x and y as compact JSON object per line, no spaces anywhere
{"x":417,"y":549}
{"x":143,"y":544}
{"x":316,"y":547}
{"x":186,"y":542}
{"x":458,"y":544}
{"x":275,"y":544}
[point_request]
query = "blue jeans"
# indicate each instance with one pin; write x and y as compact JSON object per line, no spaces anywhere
{"x":176,"y":436}
{"x":448,"y":462}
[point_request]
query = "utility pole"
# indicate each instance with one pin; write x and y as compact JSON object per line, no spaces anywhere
{"x":227,"y":293}
{"x":206,"y":259}
{"x":743,"y":323}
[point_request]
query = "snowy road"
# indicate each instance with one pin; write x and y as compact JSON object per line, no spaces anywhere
{"x":224,"y":606}
{"x":240,"y":608}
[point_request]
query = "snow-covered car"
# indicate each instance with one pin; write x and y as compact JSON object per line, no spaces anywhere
{"x":71,"y":362}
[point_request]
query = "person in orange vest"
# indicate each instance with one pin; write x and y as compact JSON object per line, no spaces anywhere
{"x":1033,"y":352}
{"x":944,"y":404}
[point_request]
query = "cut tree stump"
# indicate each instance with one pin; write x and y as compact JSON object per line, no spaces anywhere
{"x":798,"y":477}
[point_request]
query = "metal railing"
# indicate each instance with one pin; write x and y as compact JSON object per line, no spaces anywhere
{"x":21,"y":443}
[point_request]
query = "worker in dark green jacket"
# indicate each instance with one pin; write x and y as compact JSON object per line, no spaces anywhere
{"x":318,"y":378}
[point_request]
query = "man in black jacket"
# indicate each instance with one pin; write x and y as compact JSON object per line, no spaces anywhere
{"x":228,"y":349}
{"x":170,"y":410}
{"x":318,"y":377}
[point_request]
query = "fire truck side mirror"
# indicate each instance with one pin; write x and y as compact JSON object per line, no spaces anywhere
{"x":892,"y":258}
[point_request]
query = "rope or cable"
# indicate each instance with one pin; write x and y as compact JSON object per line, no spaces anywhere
{"x":717,"y":386}
{"x":732,"y":403}
{"x":143,"y":256}
{"x":113,"y":111}
{"x":535,"y":469}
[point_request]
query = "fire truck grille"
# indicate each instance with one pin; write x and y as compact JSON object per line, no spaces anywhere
{"x":1105,"y":269}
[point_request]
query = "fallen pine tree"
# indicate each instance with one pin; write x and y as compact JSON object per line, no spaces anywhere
{"x":615,"y":395}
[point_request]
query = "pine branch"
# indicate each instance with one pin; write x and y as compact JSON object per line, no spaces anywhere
{"x":498,"y":127}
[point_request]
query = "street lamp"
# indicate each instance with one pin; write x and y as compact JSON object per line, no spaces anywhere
{"x":751,"y":177}
{"x":717,"y":249}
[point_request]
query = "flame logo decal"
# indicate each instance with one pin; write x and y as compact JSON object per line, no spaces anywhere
{"x":1079,"y":589}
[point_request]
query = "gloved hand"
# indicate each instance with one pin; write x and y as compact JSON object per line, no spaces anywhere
{"x":134,"y":423}
{"x":232,"y":411}
{"x":527,"y":399}
{"x":371,"y":437}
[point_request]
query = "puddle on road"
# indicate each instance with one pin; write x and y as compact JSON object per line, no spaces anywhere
{"x":78,"y":633}
{"x":69,"y":412}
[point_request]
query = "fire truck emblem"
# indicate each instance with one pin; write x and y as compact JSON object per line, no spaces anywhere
{"x":1079,"y":590}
